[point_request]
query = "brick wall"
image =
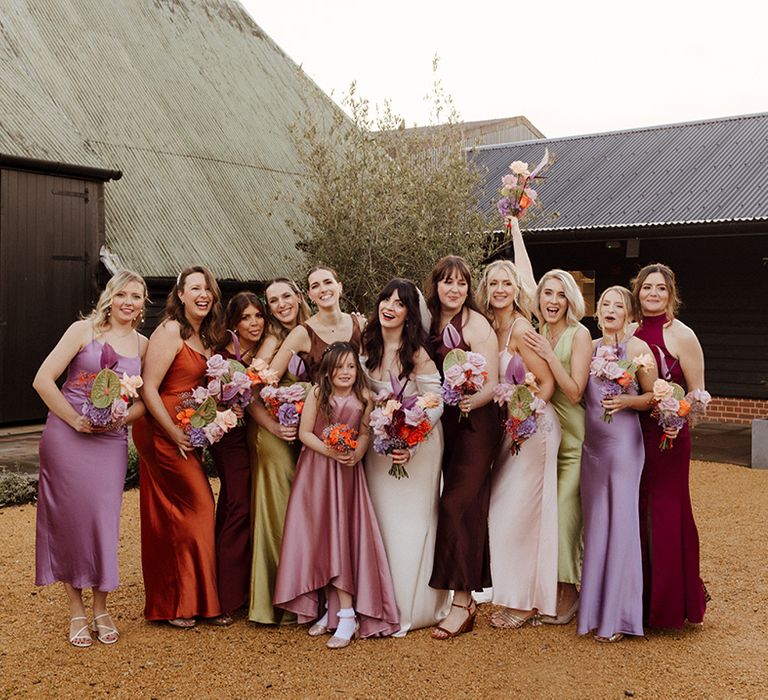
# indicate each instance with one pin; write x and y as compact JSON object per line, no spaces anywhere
{"x":742,"y":411}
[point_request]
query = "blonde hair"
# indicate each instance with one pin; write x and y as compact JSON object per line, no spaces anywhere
{"x":626,"y":296}
{"x":99,"y":317}
{"x":576,"y":307}
{"x":523,"y":301}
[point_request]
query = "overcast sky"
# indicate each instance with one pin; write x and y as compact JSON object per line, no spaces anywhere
{"x":571,"y":67}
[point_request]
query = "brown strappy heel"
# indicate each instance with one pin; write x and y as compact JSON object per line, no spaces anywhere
{"x":467,"y":626}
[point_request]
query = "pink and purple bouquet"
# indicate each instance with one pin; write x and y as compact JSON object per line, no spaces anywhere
{"x":463,"y":371}
{"x":228,"y":383}
{"x":518,"y":394}
{"x":400,"y":423}
{"x":203,"y":423}
{"x":616,"y":374}
{"x":673,"y":408}
{"x":109,"y":395}
{"x":516,"y":193}
{"x":285,"y":403}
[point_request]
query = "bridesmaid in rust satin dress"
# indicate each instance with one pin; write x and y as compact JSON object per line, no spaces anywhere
{"x":177,"y":509}
{"x":673,"y":592}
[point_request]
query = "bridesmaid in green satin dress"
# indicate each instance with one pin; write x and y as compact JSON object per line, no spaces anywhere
{"x":566,"y":346}
{"x":274,"y":451}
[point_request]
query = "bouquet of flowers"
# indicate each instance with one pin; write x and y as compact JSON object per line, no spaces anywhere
{"x":400,"y":423}
{"x":673,"y":408}
{"x":518,"y":394}
{"x":109,"y":396}
{"x":230,"y":382}
{"x":340,"y":437}
{"x":516,"y":194}
{"x":201,"y":420}
{"x":464,"y":371}
{"x":616,"y":374}
{"x":285,"y":403}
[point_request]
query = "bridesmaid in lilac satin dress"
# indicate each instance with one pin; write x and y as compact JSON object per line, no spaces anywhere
{"x":82,"y":470}
{"x":611,"y":598}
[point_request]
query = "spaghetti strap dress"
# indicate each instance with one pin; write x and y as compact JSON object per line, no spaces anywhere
{"x":611,"y":596}
{"x":80,"y":492}
{"x":570,"y":541}
{"x":462,"y":560}
{"x":522,"y":521}
{"x":233,"y":515}
{"x":178,"y":556}
{"x":673,"y":592}
{"x":318,"y":345}
{"x":332,"y":538}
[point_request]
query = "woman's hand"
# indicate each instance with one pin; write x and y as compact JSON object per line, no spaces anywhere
{"x":288,"y":432}
{"x":81,"y":424}
{"x":239,"y":411}
{"x":614,"y":404}
{"x":671,"y":432}
{"x":465,"y":405}
{"x":182,"y":441}
{"x":540,"y":345}
{"x":400,"y":456}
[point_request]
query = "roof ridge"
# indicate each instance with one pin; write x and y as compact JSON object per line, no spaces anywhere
{"x":657,"y":127}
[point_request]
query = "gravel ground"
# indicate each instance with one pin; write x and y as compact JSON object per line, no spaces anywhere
{"x":725,"y":658}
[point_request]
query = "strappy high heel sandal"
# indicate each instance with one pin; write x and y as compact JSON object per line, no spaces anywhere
{"x":106,"y":634}
{"x":81,"y":638}
{"x":505,"y":619}
{"x":615,"y":637}
{"x":467,"y":626}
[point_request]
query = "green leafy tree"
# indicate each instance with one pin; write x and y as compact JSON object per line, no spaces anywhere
{"x":382,"y":201}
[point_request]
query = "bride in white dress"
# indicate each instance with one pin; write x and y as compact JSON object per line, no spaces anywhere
{"x":393,"y":343}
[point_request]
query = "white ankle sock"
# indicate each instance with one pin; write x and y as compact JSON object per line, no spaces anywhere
{"x":324,"y":619}
{"x":347,"y":623}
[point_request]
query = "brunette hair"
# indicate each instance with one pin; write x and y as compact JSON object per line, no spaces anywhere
{"x":626,"y":296}
{"x":234,"y":314}
{"x":445,"y":267}
{"x":99,"y":317}
{"x":332,"y":356}
{"x":576,"y":306}
{"x":523,"y":302}
{"x":328,"y":268}
{"x":413,"y":336}
{"x":211,"y":329}
{"x":276,"y":328}
{"x":674,"y":303}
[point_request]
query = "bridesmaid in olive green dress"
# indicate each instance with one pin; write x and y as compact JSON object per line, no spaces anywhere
{"x":566,"y":346}
{"x":274,"y":450}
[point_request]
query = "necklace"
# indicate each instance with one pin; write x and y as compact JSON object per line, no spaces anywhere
{"x":554,"y":338}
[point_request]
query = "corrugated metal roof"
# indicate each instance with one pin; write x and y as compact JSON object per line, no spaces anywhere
{"x":190,"y":99}
{"x":696,"y":172}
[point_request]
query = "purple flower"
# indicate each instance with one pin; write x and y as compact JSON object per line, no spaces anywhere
{"x":197,"y":437}
{"x":287,"y":415}
{"x":217,"y":366}
{"x":504,"y":205}
{"x":100,"y":417}
{"x":450,"y":395}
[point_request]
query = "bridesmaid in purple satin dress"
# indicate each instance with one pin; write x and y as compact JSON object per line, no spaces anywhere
{"x":82,"y":469}
{"x":611,"y":597}
{"x":674,"y":593}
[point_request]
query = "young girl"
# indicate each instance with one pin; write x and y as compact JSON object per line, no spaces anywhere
{"x":333,"y":557}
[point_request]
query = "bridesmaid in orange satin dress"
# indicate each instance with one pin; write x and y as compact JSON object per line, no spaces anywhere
{"x":177,"y":507}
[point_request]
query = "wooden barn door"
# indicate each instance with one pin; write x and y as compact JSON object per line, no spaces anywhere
{"x":48,"y":257}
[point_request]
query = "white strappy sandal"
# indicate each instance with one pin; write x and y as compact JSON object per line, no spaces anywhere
{"x":82,"y":637}
{"x":104,"y":633}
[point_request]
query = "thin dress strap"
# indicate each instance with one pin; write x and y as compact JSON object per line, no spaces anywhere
{"x":509,"y":335}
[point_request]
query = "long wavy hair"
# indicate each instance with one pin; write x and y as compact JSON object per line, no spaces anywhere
{"x":413,"y":335}
{"x":333,"y":355}
{"x":673,"y":304}
{"x":99,"y":317}
{"x":448,"y":266}
{"x":576,"y":306}
{"x":212,"y":327}
{"x":234,"y":314}
{"x":276,"y":328}
{"x":523,"y":303}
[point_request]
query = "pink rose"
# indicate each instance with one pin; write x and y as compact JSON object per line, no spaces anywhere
{"x":669,"y":405}
{"x":662,"y":390}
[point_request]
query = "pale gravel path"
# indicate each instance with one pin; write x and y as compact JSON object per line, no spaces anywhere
{"x":727,"y":658}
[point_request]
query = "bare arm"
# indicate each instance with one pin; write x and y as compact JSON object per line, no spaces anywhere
{"x":522,"y":261}
{"x":307,"y":424}
{"x":268,"y":348}
{"x":482,"y":340}
{"x":572,"y":384}
{"x":691,"y":357}
{"x":164,"y":345}
{"x":533,"y":362}
{"x":261,"y":415}
{"x":297,"y":341}
{"x":73,"y":340}
{"x":645,"y":378}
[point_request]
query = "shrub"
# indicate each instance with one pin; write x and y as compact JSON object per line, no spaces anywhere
{"x":16,"y":488}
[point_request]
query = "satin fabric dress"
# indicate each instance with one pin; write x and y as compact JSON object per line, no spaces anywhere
{"x":673,"y":591}
{"x":522,"y":520}
{"x":178,"y":556}
{"x":332,"y":538}
{"x":462,"y":561}
{"x":273,"y":463}
{"x":611,"y":596}
{"x":82,"y":476}
{"x":570,"y":539}
{"x":406,"y":510}
{"x":233,"y":516}
{"x":313,"y":358}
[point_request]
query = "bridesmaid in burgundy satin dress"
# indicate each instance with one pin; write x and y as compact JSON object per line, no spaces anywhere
{"x":673,"y":592}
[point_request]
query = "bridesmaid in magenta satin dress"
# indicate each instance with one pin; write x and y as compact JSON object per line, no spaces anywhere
{"x":82,"y":469}
{"x":674,"y":593}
